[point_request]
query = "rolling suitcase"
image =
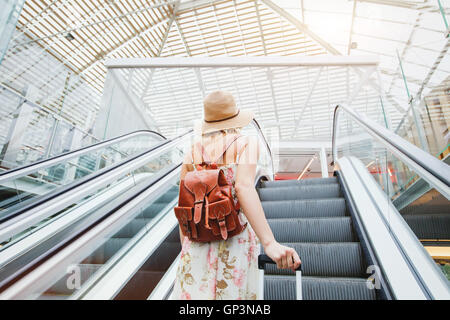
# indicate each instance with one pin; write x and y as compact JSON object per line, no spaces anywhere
{"x":262,"y":261}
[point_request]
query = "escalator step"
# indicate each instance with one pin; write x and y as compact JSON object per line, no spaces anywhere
{"x":305,"y":182}
{"x":429,"y":226}
{"x":140,"y":286}
{"x":315,"y":288}
{"x":154,"y":209}
{"x":113,"y":245}
{"x":326,"y":259}
{"x":169,"y":196}
{"x":106,"y":251}
{"x":174,"y":236}
{"x":427,"y":208}
{"x":163,"y":257}
{"x":333,"y":207}
{"x":313,"y":230}
{"x":132,"y":227}
{"x":298,"y":193}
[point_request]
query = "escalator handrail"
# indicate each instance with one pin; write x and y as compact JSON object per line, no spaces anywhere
{"x":69,"y":239}
{"x":79,"y":183}
{"x":434,"y":171}
{"x":33,"y":167}
{"x":266,"y":144}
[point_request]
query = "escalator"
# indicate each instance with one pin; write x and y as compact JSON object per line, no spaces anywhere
{"x":354,"y":242}
{"x":31,"y":181}
{"x":312,"y":217}
{"x":410,"y":190}
{"x":35,"y":229}
{"x":149,"y":275}
{"x":113,"y":234}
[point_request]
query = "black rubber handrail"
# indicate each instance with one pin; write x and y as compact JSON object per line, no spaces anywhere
{"x":78,"y":183}
{"x":44,"y":162}
{"x":264,"y":259}
{"x":427,"y":162}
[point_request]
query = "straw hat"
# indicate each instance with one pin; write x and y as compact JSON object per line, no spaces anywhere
{"x":220,"y":112}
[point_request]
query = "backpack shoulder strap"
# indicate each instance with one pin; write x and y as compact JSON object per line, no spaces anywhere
{"x":196,"y":147}
{"x":205,"y":157}
{"x":227,"y":145}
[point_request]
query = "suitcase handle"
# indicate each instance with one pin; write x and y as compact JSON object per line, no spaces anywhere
{"x":263,"y":259}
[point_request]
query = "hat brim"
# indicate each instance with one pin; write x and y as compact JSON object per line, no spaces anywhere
{"x":241,"y":120}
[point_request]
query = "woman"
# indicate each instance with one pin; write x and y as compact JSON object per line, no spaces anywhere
{"x":227,"y":269}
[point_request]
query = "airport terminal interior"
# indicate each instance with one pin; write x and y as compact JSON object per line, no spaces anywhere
{"x":99,"y":101}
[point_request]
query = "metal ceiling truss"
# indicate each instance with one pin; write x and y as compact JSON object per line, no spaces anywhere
{"x":252,"y":28}
{"x":249,"y":87}
{"x":328,"y":46}
{"x":397,"y":71}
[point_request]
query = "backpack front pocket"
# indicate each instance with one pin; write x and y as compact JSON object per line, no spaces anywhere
{"x":184,"y":216}
{"x":220,"y":219}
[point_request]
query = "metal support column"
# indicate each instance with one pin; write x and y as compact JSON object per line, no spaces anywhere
{"x":418,"y":124}
{"x":441,"y":9}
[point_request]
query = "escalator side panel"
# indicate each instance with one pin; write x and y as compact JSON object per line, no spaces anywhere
{"x":384,"y":292}
{"x":145,"y":280}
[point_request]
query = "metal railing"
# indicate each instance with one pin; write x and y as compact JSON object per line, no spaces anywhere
{"x":434,"y":171}
{"x":45,"y":163}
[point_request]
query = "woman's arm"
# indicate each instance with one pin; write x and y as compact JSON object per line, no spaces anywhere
{"x":285,"y":257}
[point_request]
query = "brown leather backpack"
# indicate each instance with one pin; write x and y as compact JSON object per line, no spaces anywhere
{"x":206,"y":210}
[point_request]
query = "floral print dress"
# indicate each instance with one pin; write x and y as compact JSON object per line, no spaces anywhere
{"x":222,"y":270}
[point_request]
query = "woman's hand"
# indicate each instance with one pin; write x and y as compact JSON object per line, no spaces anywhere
{"x":285,"y":257}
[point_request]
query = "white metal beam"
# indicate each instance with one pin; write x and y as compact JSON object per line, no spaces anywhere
{"x":260,"y":26}
{"x":357,"y":87}
{"x":269,"y":71}
{"x":90,"y":24}
{"x":194,"y":4}
{"x":188,"y":51}
{"x":404,"y":4}
{"x":135,"y":102}
{"x":211,"y":62}
{"x":349,"y":47}
{"x":169,"y":26}
{"x":301,"y":26}
{"x":436,"y":63}
{"x":43,"y":14}
{"x":124,"y":42}
{"x":305,"y":104}
{"x":408,"y":42}
{"x":274,"y":100}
